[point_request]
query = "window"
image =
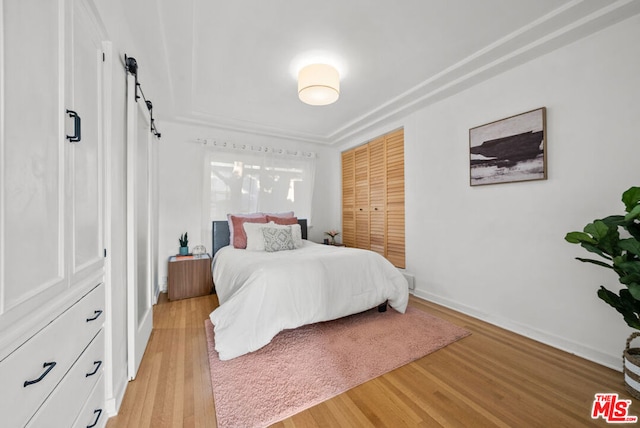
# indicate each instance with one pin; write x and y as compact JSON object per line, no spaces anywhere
{"x":264,"y":180}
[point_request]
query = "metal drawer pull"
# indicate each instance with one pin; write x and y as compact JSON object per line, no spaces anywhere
{"x":48,"y":367}
{"x":97,"y":364}
{"x":77,"y":127}
{"x":97,"y":314}
{"x":99,"y":413}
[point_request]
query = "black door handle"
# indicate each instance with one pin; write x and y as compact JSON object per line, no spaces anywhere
{"x":77,"y":127}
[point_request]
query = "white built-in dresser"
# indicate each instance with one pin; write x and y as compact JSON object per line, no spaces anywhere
{"x":52,"y":292}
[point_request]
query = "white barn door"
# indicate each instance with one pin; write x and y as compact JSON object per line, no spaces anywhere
{"x":140,"y":231}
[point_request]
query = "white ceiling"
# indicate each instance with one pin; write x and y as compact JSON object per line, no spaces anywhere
{"x":233,"y":64}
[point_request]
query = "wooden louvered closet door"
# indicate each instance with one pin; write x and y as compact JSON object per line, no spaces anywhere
{"x":373,"y":197}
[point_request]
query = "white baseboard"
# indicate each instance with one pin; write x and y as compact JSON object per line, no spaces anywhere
{"x":611,"y":361}
{"x":113,"y":404}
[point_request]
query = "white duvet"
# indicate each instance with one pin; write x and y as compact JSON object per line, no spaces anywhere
{"x":262,"y":293}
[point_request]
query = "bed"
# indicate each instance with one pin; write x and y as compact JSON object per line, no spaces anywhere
{"x":262,"y":293}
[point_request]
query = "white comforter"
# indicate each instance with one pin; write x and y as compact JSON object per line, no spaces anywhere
{"x":263,"y":293}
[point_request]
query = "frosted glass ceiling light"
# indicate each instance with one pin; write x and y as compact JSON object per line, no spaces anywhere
{"x":318,"y":84}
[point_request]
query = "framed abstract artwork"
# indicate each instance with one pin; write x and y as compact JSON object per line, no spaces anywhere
{"x":510,"y":149}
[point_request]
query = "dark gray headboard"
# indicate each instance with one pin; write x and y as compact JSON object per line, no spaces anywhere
{"x":220,"y":235}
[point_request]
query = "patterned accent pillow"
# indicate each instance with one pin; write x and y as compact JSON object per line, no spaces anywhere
{"x":277,"y":239}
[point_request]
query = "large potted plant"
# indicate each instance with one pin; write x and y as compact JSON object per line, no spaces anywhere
{"x":616,"y":240}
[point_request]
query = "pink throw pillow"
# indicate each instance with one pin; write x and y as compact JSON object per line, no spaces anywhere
{"x":282,"y":220}
{"x":231,"y":232}
{"x":239,"y":235}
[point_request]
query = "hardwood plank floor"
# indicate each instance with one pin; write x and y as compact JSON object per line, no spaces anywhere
{"x":492,"y":378}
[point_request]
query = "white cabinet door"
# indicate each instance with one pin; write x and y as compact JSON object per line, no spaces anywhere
{"x":32,"y":156}
{"x":85,"y":166}
{"x":51,"y":197}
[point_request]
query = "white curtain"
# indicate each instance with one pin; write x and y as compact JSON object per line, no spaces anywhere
{"x":247,"y":179}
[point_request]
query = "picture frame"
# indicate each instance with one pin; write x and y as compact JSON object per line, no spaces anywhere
{"x":509,"y":150}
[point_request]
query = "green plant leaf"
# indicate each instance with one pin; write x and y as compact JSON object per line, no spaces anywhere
{"x":633,"y":214}
{"x":631,"y":197}
{"x":598,"y":229}
{"x":628,"y":267}
{"x":595,"y":262}
{"x":593,"y":249}
{"x":630,"y":280}
{"x":625,"y":304}
{"x":633,"y":229}
{"x":634,"y":289}
{"x":578,"y":237}
{"x":184,"y":240}
{"x":613,"y":221}
{"x":609,"y":297}
{"x":631,"y":245}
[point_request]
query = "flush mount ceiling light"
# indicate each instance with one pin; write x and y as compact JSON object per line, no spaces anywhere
{"x":318,"y":84}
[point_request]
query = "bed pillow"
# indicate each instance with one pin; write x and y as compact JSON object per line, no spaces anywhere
{"x":277,"y":239}
{"x":231,"y":231}
{"x":239,"y":235}
{"x":282,"y":220}
{"x":296,"y":234}
{"x":255,"y":239}
{"x":282,"y":214}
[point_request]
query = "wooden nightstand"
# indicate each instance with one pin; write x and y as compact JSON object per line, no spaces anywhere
{"x":189,"y":276}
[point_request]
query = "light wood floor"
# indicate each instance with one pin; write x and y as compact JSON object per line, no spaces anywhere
{"x":492,"y":378}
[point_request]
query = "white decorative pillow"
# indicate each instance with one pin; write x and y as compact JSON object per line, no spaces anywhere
{"x":255,"y":239}
{"x":277,"y":238}
{"x":296,"y":234}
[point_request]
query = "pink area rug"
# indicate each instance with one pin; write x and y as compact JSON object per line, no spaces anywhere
{"x":303,"y":367}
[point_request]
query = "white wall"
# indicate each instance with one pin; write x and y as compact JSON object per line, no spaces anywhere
{"x":181,"y":177}
{"x":497,"y":252}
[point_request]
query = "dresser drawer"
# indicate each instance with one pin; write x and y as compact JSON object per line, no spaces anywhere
{"x":32,"y":371}
{"x":93,"y":414}
{"x":64,"y":404}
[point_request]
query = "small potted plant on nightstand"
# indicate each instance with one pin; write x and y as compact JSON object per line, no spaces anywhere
{"x":184,"y":244}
